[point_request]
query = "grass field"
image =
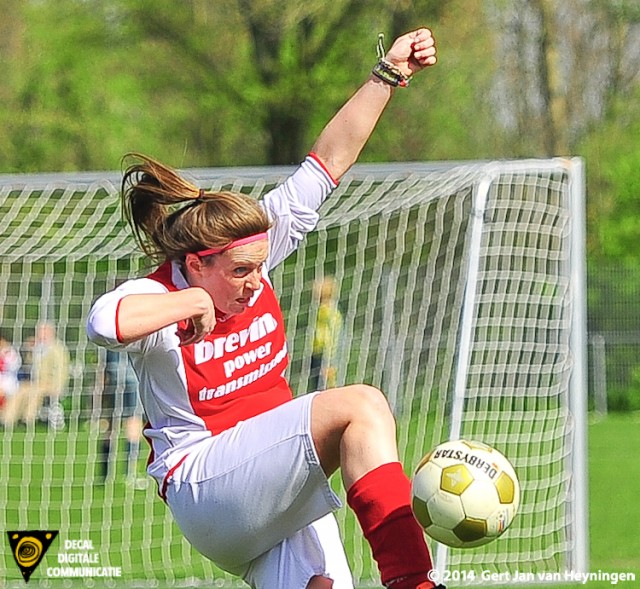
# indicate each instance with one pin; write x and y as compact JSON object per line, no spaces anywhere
{"x":614,"y":503}
{"x":614,"y":500}
{"x":614,"y":469}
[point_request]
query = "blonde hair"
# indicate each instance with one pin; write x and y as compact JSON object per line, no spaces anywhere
{"x":326,"y":289}
{"x":171,"y":217}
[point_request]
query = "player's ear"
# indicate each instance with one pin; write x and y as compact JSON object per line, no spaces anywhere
{"x":193,"y":264}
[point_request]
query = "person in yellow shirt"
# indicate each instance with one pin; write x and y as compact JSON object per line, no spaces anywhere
{"x":326,"y":337}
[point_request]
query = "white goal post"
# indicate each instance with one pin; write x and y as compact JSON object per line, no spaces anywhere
{"x":461,"y":288}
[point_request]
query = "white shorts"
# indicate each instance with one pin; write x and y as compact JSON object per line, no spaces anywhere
{"x":251,"y":499}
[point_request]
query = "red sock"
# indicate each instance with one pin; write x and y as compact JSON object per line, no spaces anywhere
{"x":381,"y":500}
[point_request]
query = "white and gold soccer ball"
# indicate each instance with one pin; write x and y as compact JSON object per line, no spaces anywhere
{"x":465,"y":493}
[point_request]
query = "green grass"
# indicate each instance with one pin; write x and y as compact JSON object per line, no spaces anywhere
{"x":118,"y":511}
{"x":614,"y":501}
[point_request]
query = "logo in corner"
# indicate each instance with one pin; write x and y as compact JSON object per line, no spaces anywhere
{"x":29,"y":547}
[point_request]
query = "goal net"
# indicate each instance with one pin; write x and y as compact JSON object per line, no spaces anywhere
{"x":460,"y":292}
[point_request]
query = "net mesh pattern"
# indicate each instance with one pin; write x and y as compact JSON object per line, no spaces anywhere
{"x":396,"y":239}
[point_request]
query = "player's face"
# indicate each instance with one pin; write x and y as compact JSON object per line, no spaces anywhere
{"x":232,"y":277}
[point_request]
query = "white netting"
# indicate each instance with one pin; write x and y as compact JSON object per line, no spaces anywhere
{"x":398,"y":241}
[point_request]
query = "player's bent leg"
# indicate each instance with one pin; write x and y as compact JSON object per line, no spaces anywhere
{"x":353,"y":428}
{"x":312,"y":557}
{"x":258,"y":485}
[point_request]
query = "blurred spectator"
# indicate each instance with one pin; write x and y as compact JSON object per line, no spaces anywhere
{"x":10,"y":363}
{"x":326,"y":338}
{"x":24,"y":374}
{"x":49,"y":377}
{"x":120,"y":402}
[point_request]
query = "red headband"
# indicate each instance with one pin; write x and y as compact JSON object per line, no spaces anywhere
{"x":236,"y":243}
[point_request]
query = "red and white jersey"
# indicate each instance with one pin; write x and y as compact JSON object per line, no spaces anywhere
{"x":193,"y":392}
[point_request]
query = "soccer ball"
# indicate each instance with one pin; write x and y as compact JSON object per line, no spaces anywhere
{"x":464,"y":493}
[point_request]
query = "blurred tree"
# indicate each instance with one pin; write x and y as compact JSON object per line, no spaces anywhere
{"x":561,"y":65}
{"x":234,"y":82}
{"x":612,"y":152}
{"x":69,"y":104}
{"x":271,"y":62}
{"x":227,"y":83}
{"x":12,"y":27}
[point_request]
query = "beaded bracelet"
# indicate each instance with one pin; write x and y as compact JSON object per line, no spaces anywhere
{"x":386,"y":71}
{"x":390,"y":74}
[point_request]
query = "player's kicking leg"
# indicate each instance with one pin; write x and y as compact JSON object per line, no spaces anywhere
{"x":353,"y":429}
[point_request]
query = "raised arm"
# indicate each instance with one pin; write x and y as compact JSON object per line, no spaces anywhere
{"x":344,"y":137}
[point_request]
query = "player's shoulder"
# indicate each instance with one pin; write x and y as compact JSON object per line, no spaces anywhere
{"x":143,"y":285}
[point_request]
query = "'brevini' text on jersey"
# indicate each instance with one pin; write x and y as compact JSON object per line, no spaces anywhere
{"x":259,"y":329}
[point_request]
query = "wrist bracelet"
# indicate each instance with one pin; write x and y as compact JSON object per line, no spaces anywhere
{"x":386,"y":71}
{"x":390,"y":74}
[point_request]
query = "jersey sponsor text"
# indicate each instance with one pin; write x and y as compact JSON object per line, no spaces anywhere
{"x":260,"y":327}
{"x":206,"y":394}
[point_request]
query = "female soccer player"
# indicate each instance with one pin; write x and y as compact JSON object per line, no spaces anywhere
{"x":241,"y":464}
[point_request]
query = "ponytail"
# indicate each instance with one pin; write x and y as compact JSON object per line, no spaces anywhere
{"x":170,"y":216}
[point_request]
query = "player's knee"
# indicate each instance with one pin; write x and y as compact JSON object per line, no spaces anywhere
{"x":337,"y":409}
{"x":369,"y":403}
{"x":320,"y":583}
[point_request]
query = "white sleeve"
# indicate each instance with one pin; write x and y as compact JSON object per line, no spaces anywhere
{"x":102,"y":323}
{"x":293,"y":206}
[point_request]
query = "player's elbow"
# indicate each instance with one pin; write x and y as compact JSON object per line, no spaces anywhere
{"x":335,"y":161}
{"x":101,"y":323}
{"x":97,"y":331}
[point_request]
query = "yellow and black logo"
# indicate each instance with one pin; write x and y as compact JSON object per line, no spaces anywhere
{"x":29,"y":547}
